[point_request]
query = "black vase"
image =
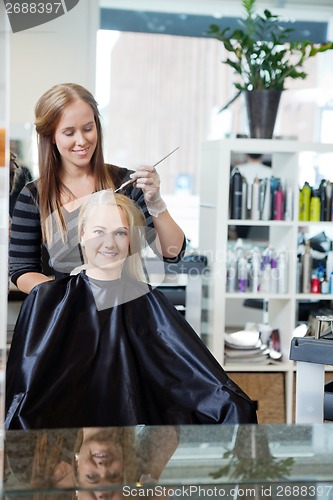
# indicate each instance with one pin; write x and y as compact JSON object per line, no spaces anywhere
{"x":262,"y":108}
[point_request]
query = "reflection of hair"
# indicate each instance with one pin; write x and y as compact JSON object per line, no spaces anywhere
{"x":32,"y":459}
{"x":123,"y":436}
{"x":48,"y":112}
{"x":136,"y":221}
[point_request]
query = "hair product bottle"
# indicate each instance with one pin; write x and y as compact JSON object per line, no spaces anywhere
{"x":315,"y":206}
{"x":278,"y":203}
{"x":255,"y":210}
{"x":306,"y":268}
{"x":242,"y":274}
{"x":329,"y":262}
{"x":265,"y":283}
{"x":324,"y":286}
{"x":288,"y":210}
{"x":331,"y":283}
{"x":323,"y":200}
{"x":255,"y":270}
{"x":304,"y":202}
{"x":328,"y":202}
{"x":274,"y":273}
{"x":231,"y":271}
{"x":283,"y":273}
{"x":266,"y":209}
{"x":315,"y":283}
{"x":244,"y":199}
{"x":236,"y":193}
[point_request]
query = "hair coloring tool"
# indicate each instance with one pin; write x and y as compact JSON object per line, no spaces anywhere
{"x":130,"y":181}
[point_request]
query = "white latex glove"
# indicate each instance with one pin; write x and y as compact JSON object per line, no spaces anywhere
{"x":147,"y":179}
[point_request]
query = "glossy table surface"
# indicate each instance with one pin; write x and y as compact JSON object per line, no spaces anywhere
{"x":264,"y":461}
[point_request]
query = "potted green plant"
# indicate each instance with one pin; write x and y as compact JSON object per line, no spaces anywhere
{"x":263,"y":57}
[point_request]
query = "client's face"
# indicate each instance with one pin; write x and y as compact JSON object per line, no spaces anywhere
{"x":100,"y":464}
{"x":106,"y":240}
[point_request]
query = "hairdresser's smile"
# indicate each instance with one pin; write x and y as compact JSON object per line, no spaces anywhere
{"x":81,"y":152}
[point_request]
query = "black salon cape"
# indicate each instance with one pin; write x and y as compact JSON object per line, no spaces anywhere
{"x":72,"y":365}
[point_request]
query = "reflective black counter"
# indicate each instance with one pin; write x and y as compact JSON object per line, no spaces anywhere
{"x":234,"y":462}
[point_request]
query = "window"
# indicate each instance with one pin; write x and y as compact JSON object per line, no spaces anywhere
{"x":158,"y":90}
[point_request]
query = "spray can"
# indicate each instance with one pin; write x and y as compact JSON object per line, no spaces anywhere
{"x":288,"y":212}
{"x":328,"y":202}
{"x":299,"y":276}
{"x":255,"y":270}
{"x":231,"y":271}
{"x":306,"y":268}
{"x":315,"y":284}
{"x":274,"y":273}
{"x":304,"y":206}
{"x":324,"y":286}
{"x":244,"y":199}
{"x":331,"y":283}
{"x":265,"y":283}
{"x":283,"y":273}
{"x":242,"y":274}
{"x":236,"y":193}
{"x":278,"y":203}
{"x":315,"y":207}
{"x":323,"y":200}
{"x":255,"y":210}
{"x":266,"y":209}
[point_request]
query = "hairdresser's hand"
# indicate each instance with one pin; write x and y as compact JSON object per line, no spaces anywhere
{"x":147,"y":179}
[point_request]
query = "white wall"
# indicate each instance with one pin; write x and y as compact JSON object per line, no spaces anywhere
{"x":62,"y":50}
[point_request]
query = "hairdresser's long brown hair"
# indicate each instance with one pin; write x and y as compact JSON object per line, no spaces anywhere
{"x":48,"y":112}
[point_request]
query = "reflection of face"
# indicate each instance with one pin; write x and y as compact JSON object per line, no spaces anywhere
{"x":76,"y":135}
{"x":100,"y":463}
{"x":106,"y":241}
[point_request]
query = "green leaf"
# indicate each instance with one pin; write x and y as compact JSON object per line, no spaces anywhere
{"x":230,"y":102}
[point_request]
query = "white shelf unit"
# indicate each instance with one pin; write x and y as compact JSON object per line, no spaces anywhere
{"x":213,"y":242}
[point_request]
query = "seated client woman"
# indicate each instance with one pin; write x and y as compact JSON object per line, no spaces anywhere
{"x":103,"y":348}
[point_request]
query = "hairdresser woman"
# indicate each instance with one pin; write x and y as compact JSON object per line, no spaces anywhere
{"x":71,"y":167}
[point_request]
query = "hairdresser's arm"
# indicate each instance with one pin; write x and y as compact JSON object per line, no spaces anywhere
{"x":171,"y":237}
{"x":26,"y":242}
{"x":27,"y":281}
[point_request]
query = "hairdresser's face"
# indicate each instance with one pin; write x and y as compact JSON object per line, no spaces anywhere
{"x":100,"y":463}
{"x":106,"y":240}
{"x":76,"y":135}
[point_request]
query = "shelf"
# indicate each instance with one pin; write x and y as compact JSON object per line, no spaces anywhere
{"x":214,"y":239}
{"x":313,"y":297}
{"x":252,"y":367}
{"x":258,"y":295}
{"x":264,"y":223}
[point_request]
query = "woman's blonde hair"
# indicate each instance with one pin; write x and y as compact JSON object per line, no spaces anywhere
{"x":48,"y":112}
{"x":136,"y":221}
